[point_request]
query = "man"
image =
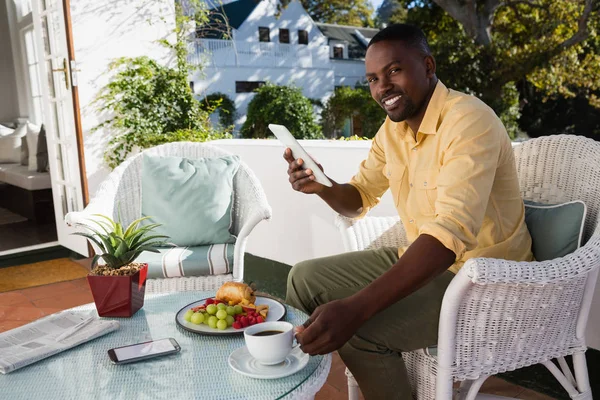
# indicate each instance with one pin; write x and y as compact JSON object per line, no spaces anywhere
{"x":450,"y":166}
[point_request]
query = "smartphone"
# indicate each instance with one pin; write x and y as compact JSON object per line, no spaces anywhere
{"x":285,"y":137}
{"x":143,"y":351}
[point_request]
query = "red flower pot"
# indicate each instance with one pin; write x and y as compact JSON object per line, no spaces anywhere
{"x":119,"y":296}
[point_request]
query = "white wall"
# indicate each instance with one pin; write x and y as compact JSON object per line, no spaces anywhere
{"x":293,"y":17}
{"x":315,"y":83}
{"x":9,"y":102}
{"x":302,"y":225}
{"x":103,"y":31}
{"x":348,"y":72}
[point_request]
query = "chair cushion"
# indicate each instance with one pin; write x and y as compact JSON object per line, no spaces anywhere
{"x":41,"y":154}
{"x":33,"y":133}
{"x":191,"y":198}
{"x":19,"y":175}
{"x":189,"y":261}
{"x":556,"y":229}
{"x":10,"y":144}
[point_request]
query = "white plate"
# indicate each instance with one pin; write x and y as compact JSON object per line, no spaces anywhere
{"x":276,"y":312}
{"x":241,"y":361}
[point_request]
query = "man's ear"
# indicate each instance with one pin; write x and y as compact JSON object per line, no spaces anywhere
{"x":430,"y":66}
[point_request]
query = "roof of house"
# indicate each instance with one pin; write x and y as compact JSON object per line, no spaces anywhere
{"x":233,"y":15}
{"x":219,"y":18}
{"x":356,"y":37}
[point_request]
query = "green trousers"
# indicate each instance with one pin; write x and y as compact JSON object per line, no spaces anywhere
{"x":373,"y":353}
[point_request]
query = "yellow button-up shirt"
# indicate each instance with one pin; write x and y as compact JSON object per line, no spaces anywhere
{"x":455,"y":180}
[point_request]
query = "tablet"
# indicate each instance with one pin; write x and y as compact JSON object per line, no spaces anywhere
{"x":285,"y":137}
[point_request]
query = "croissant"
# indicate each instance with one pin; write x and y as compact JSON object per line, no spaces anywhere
{"x":235,"y":292}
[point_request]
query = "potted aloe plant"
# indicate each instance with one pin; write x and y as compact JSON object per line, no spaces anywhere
{"x":118,"y":285}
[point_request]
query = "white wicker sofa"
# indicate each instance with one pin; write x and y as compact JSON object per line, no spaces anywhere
{"x":122,"y":189}
{"x":500,"y":315}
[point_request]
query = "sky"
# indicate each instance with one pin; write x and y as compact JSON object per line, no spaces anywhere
{"x":376,"y":3}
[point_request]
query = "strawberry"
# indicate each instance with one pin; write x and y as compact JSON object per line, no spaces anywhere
{"x":209,"y":301}
{"x":237,"y":325}
{"x":259,"y":320}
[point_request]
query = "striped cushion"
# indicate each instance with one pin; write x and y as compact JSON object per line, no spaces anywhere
{"x":173,"y":262}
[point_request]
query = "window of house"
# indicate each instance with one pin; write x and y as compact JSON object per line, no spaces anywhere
{"x":264,"y":34}
{"x":247,"y":87}
{"x":284,"y":36}
{"x":338,"y":51}
{"x":302,"y":36}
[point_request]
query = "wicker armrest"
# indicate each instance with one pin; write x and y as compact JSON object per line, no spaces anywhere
{"x":371,"y":232}
{"x":572,"y":266}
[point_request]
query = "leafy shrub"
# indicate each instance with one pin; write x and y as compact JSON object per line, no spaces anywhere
{"x":145,"y":98}
{"x":352,"y":138}
{"x":352,"y":103}
{"x":224,"y":105}
{"x":183,"y":135}
{"x":284,"y":105}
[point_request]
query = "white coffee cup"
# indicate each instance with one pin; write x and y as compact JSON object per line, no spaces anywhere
{"x":270,"y":349}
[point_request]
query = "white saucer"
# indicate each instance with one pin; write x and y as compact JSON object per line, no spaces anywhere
{"x":241,"y":361}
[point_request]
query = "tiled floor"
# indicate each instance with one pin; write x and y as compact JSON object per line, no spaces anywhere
{"x":22,"y":306}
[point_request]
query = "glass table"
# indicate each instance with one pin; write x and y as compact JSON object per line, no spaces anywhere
{"x":199,"y":371}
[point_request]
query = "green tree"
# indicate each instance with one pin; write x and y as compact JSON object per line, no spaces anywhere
{"x":387,"y":9}
{"x":352,"y":103}
{"x":486,"y":47}
{"x":284,"y":105}
{"x":341,"y":12}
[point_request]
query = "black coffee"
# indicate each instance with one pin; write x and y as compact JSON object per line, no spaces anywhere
{"x":267,"y":333}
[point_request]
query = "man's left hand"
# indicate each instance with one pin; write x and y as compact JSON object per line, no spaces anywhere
{"x":329,"y":327}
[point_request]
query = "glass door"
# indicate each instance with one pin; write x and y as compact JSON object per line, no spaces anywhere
{"x":59,"y":120}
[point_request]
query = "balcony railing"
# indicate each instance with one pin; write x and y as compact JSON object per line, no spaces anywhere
{"x":232,"y":53}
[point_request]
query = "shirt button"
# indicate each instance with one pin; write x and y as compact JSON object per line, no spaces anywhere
{"x":414,"y":148}
{"x":411,"y":221}
{"x":411,"y":185}
{"x":424,"y":183}
{"x":389,"y":173}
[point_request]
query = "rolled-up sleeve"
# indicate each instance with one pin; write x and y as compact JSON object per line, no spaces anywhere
{"x":465,"y":181}
{"x":370,"y":180}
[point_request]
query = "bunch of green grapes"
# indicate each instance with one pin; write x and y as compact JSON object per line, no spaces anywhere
{"x":217,"y":316}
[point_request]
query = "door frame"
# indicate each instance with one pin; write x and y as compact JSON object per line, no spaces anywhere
{"x":76,"y":108}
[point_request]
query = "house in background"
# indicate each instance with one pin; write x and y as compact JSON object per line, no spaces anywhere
{"x":249,"y":42}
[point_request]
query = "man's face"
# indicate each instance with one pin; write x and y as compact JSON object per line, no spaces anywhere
{"x":399,"y":78}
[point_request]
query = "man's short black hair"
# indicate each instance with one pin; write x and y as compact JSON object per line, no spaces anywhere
{"x":409,"y":34}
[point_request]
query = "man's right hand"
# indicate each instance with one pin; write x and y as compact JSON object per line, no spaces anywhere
{"x":302,"y":180}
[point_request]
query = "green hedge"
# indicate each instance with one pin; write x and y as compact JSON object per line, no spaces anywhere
{"x":351,"y":103}
{"x":284,"y":105}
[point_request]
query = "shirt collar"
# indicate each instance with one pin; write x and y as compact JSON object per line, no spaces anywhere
{"x":436,"y":104}
{"x":432,"y":114}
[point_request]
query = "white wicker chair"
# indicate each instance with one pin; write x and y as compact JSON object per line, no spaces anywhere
{"x":122,"y":189}
{"x":500,"y":315}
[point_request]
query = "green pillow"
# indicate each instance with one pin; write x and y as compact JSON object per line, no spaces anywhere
{"x":190,"y":197}
{"x":556,"y":229}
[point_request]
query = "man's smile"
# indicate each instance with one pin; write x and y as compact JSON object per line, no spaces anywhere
{"x":391,"y":102}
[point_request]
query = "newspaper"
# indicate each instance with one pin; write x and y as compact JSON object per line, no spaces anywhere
{"x":48,"y":336}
